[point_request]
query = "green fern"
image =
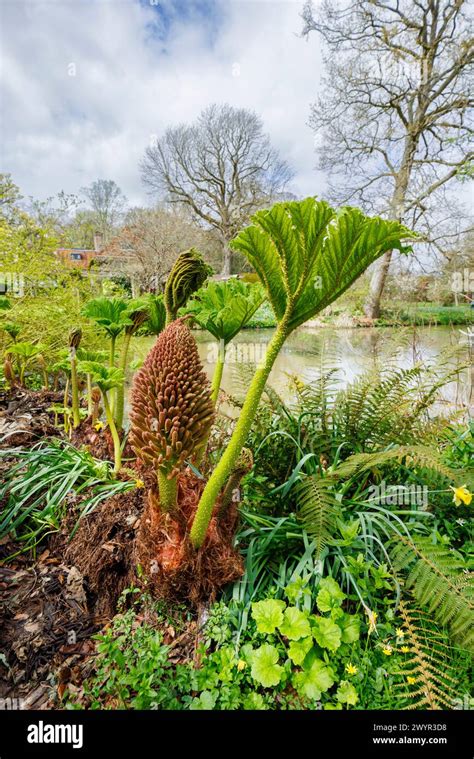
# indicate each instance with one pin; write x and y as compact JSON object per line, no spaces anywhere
{"x":318,"y":509}
{"x":438,"y":579}
{"x":413,"y":456}
{"x":429,"y":677}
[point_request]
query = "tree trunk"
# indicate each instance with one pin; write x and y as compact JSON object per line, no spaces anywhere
{"x":226,"y":260}
{"x":379,"y":277}
{"x":377,"y":286}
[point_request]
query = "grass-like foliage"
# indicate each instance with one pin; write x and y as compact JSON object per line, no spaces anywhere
{"x":43,"y":481}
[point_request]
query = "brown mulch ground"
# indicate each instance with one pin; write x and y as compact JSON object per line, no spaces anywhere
{"x":45,"y":631}
{"x":24,"y":416}
{"x":51,"y":606}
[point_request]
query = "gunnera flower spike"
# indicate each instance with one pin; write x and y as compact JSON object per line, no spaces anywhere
{"x":171,"y":407}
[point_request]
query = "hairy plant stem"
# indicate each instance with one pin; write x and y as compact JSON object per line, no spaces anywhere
{"x":226,"y":464}
{"x":90,"y":402}
{"x":66,"y":393}
{"x":113,"y":431}
{"x":217,"y":376}
{"x":76,"y":417}
{"x":120,"y":392}
{"x":112,"y":351}
{"x":112,"y":364}
{"x":168,"y":490}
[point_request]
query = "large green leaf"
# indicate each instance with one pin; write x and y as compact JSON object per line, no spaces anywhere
{"x":110,"y":313}
{"x":307,"y":253}
{"x":224,"y":308}
{"x":268,"y":614}
{"x":295,"y":624}
{"x":104,"y":377}
{"x":265,"y":667}
{"x":316,"y":678}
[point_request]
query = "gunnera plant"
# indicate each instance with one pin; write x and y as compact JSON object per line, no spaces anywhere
{"x":171,"y":408}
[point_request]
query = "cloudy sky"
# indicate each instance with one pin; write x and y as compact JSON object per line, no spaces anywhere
{"x":88,"y":83}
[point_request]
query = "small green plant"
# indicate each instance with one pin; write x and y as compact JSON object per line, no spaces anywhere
{"x":106,"y":379}
{"x":75,"y":336}
{"x":12,"y":329}
{"x":134,"y":670}
{"x":136,"y":314}
{"x":223,"y":309}
{"x":82,"y":355}
{"x":109,"y":314}
{"x":25,"y":354}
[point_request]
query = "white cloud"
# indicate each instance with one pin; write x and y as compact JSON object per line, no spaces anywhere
{"x":130,"y":80}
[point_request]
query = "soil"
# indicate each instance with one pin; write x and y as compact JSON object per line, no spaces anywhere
{"x":45,"y":631}
{"x":25,"y":418}
{"x":53,"y":605}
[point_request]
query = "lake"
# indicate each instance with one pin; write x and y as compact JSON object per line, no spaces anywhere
{"x":309,"y":351}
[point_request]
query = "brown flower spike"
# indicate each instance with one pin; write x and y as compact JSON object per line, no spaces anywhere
{"x":171,"y":406}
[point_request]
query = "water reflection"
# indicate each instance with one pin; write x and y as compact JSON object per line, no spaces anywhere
{"x":310,"y":351}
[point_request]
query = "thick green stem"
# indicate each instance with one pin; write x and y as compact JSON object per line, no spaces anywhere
{"x":168,"y":490}
{"x":113,"y":431}
{"x":112,"y":364}
{"x":217,"y":376}
{"x":66,"y":393}
{"x":76,"y":417}
{"x":226,"y":465}
{"x":112,"y":351}
{"x":90,"y":402}
{"x":120,"y":396}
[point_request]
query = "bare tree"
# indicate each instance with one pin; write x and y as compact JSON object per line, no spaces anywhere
{"x":222,"y":167}
{"x":107,"y":203}
{"x":394,"y":117}
{"x":151,"y":240}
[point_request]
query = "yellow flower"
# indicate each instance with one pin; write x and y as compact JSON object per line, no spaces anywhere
{"x":299,"y":385}
{"x":241,"y":665}
{"x":139,"y":484}
{"x":411,"y":680}
{"x":387,"y":650}
{"x":372,"y":615}
{"x":399,"y":633}
{"x":405,"y":650}
{"x":351,"y":670}
{"x":99,"y":426}
{"x":461,"y":495}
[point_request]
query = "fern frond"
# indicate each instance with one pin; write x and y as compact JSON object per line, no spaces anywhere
{"x":318,"y":509}
{"x":429,"y":678}
{"x":419,"y":455}
{"x":440,"y":583}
